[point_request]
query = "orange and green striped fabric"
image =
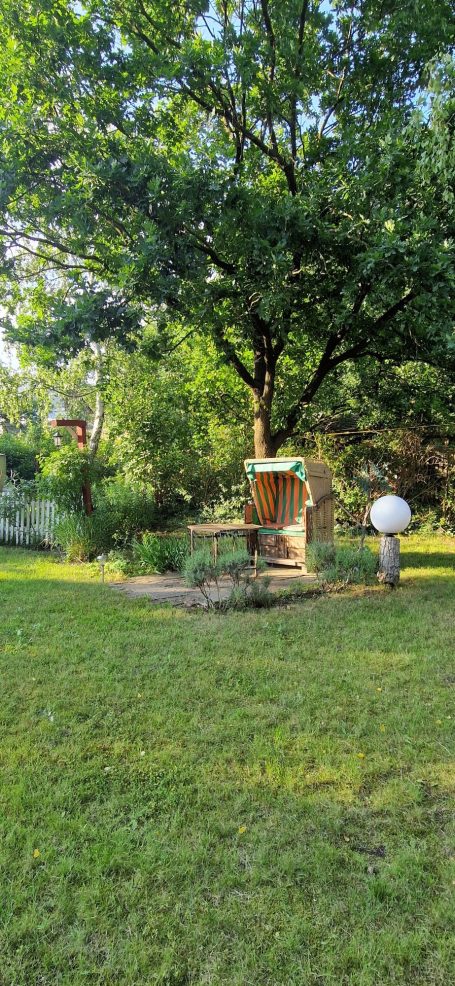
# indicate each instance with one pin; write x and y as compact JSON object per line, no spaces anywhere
{"x":279,"y":498}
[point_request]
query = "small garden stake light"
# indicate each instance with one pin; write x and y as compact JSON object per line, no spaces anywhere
{"x":390,"y":515}
{"x":101,"y":559}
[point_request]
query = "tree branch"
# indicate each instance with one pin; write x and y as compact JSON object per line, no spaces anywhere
{"x":232,"y":357}
{"x":209,"y":251}
{"x":399,"y":306}
{"x":328,"y":361}
{"x":271,"y":38}
{"x":297,"y":76}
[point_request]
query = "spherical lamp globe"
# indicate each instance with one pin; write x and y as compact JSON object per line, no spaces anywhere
{"x":390,"y":514}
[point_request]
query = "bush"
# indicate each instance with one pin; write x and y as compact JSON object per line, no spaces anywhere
{"x":120,"y":512}
{"x":344,"y":564}
{"x":82,"y":537}
{"x":229,"y":505}
{"x":126,"y":510}
{"x":201,"y":571}
{"x":319,"y":555}
{"x":63,"y":474}
{"x":250,"y":593}
{"x":20,"y":457}
{"x":160,"y":552}
{"x":235,"y":565}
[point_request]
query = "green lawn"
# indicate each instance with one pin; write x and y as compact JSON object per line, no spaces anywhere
{"x":186,"y":798}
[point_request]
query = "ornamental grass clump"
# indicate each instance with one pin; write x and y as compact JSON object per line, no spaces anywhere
{"x":73,"y":534}
{"x":160,"y":552}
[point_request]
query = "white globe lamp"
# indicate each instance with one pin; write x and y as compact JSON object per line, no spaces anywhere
{"x":390,"y":515}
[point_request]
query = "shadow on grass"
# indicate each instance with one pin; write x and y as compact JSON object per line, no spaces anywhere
{"x":428,"y":560}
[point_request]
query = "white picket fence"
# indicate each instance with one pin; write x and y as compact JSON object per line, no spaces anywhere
{"x":31,"y":523}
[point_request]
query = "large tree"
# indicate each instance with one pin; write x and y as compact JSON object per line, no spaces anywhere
{"x":276,"y":173}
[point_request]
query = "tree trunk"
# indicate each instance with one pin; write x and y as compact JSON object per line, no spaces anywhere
{"x":264,"y":445}
{"x":97,"y":427}
{"x":389,"y":560}
{"x":98,"y":419}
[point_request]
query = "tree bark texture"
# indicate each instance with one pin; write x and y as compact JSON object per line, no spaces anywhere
{"x":389,"y":560}
{"x":264,"y":445}
{"x":98,"y":419}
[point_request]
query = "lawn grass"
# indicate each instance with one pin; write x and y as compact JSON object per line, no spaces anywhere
{"x":187,"y":798}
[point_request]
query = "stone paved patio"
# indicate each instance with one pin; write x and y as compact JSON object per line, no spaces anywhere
{"x":170,"y":588}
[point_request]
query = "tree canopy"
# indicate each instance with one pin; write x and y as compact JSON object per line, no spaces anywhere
{"x":274,"y":174}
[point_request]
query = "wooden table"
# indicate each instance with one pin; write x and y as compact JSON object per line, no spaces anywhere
{"x":217,"y":531}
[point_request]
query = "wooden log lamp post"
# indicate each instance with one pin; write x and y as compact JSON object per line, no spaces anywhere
{"x":78,"y":428}
{"x":390,"y":515}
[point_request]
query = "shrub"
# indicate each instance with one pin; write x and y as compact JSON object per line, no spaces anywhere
{"x":229,"y":505}
{"x":201,"y":572}
{"x":63,"y":474}
{"x":319,"y":555}
{"x":353,"y":566}
{"x":20,"y":457}
{"x":83,"y":537}
{"x":160,"y":552}
{"x":121,"y":510}
{"x":126,"y":510}
{"x":345,"y":564}
{"x":235,"y":565}
{"x":250,"y":593}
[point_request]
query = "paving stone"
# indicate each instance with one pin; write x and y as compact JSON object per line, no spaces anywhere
{"x":170,"y":588}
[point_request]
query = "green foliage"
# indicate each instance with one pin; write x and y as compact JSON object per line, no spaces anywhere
{"x":83,"y":537}
{"x":63,"y":474}
{"x":250,"y":593}
{"x":20,"y":456}
{"x":23,"y":400}
{"x":341,"y":564}
{"x":121,"y":510}
{"x":160,"y":552}
{"x":201,"y":571}
{"x":235,"y":565}
{"x":319,"y":555}
{"x":167,"y":432}
{"x":120,"y":514}
{"x":278,"y":180}
{"x":411,"y":463}
{"x":238,"y":216}
{"x":229,"y":504}
{"x":74,"y":533}
{"x":124,"y":509}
